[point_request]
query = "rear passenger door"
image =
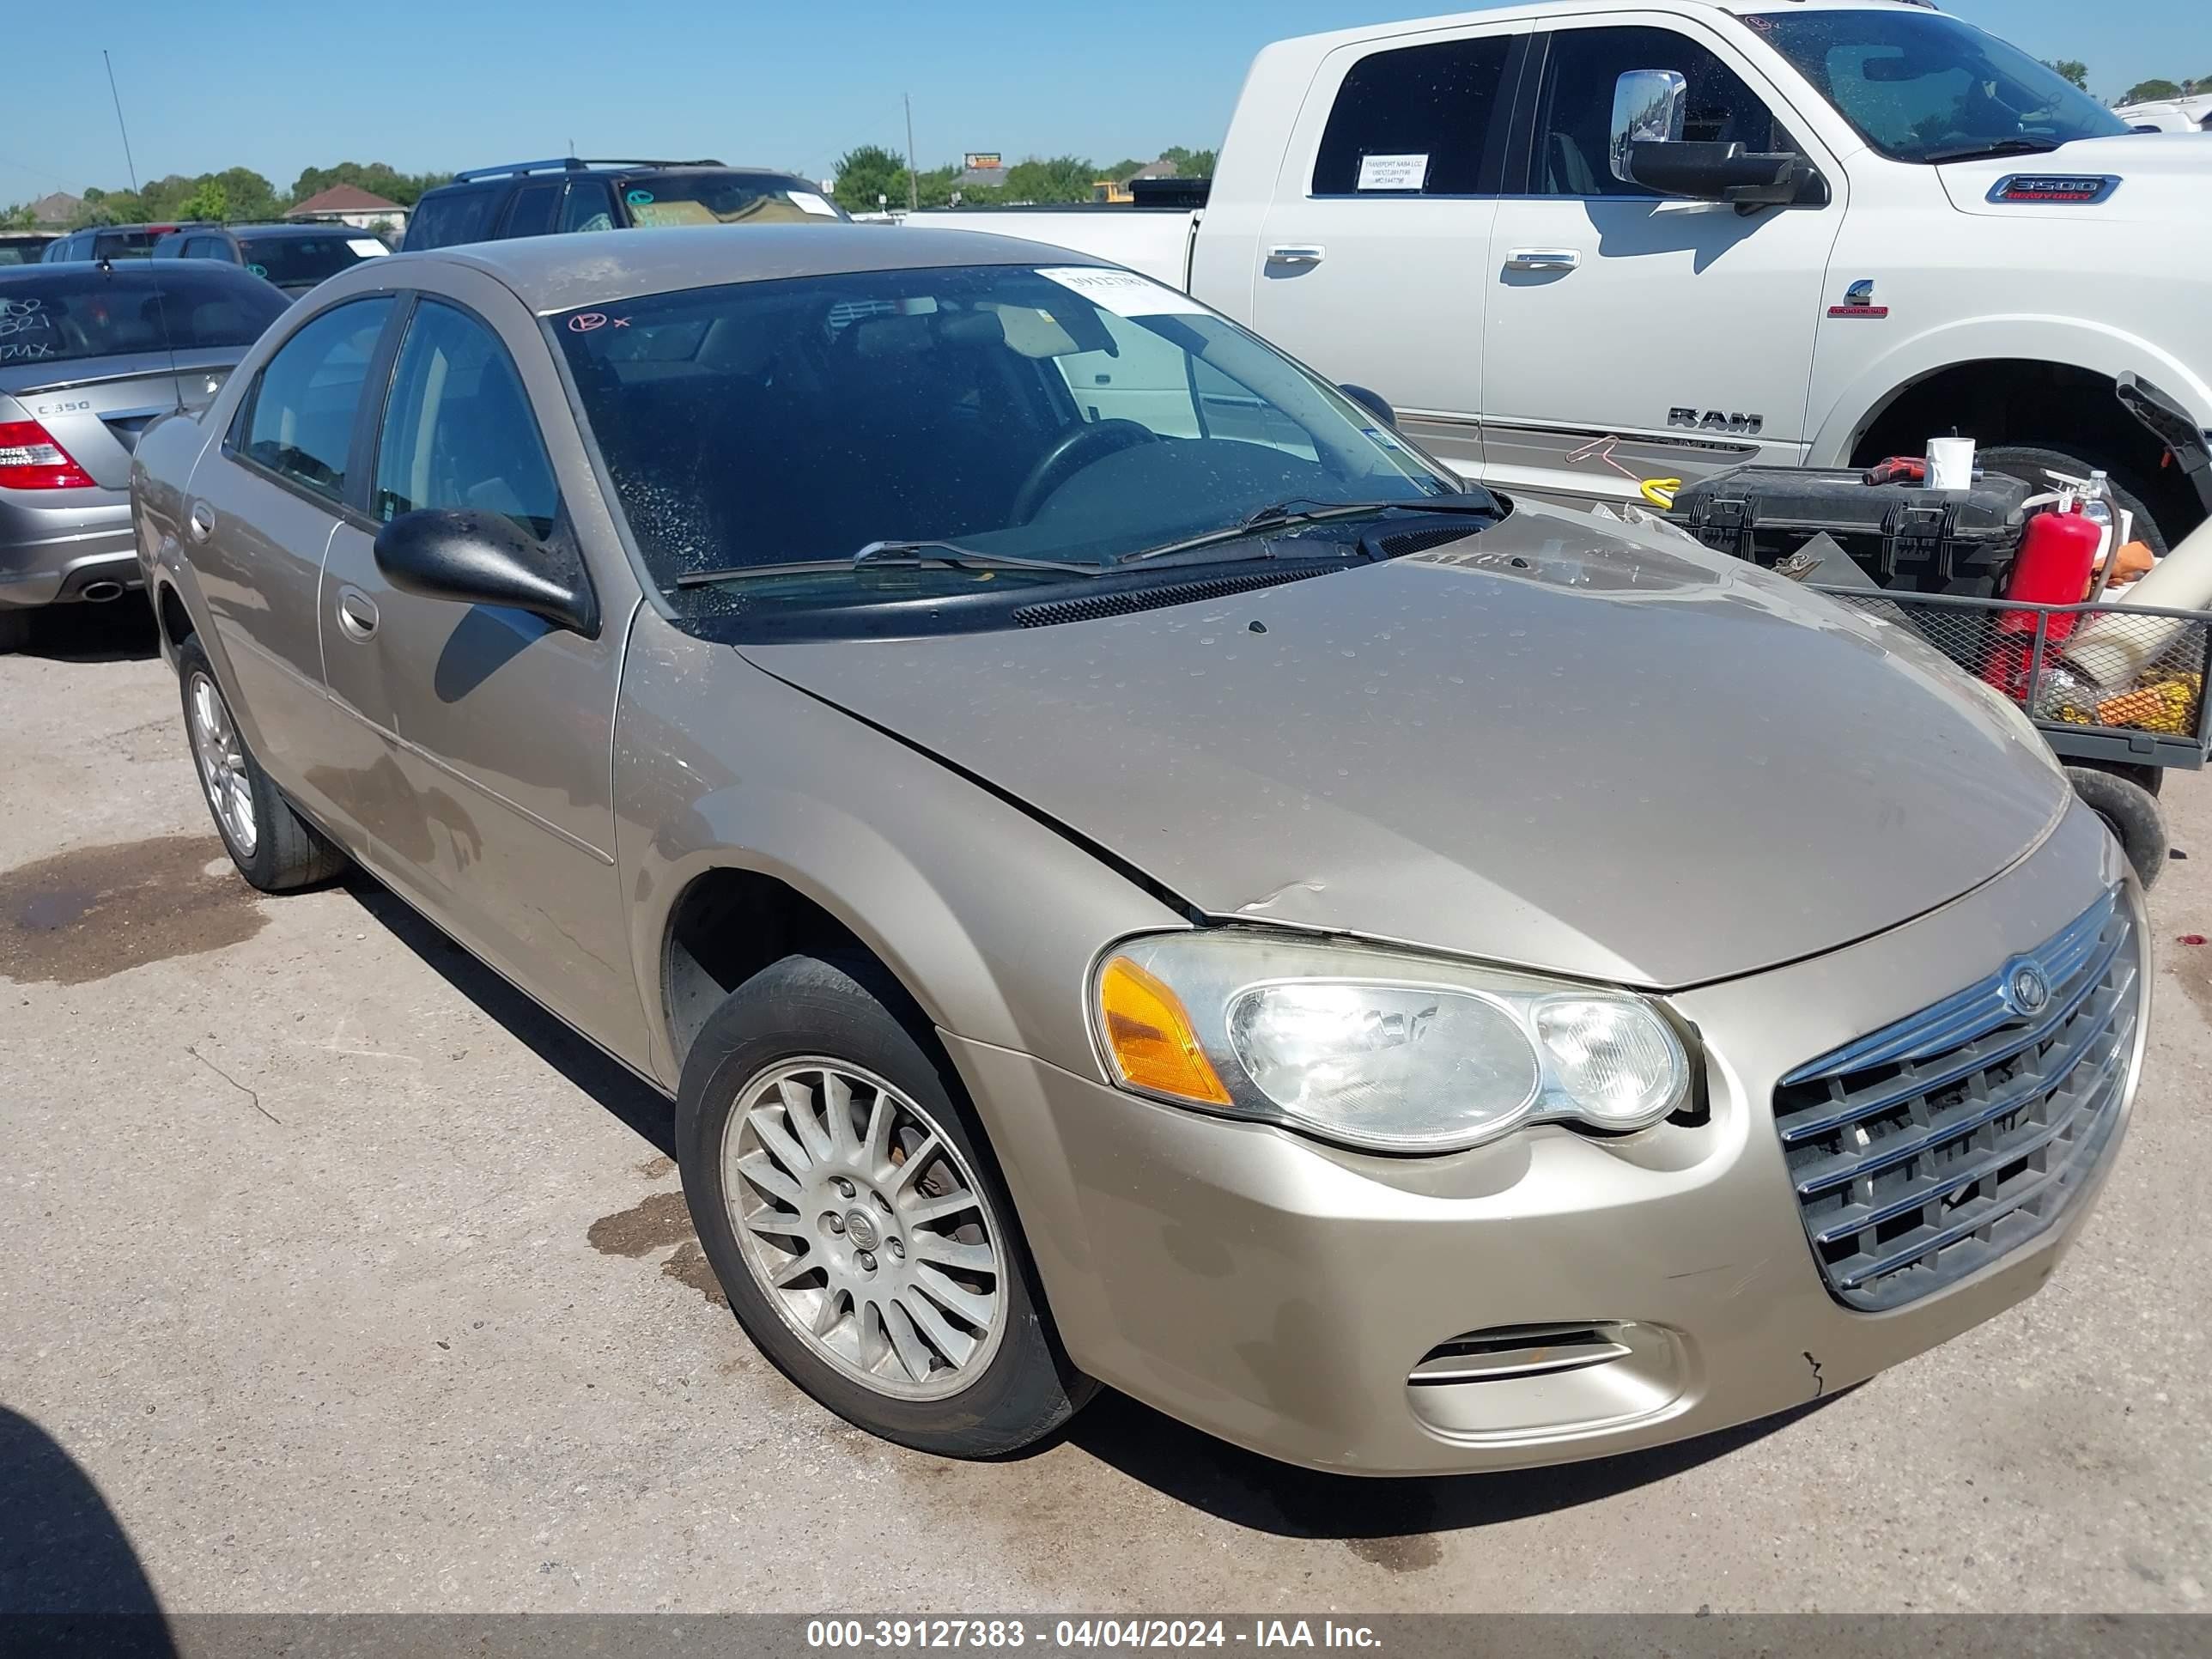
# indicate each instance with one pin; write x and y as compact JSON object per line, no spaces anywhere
{"x":481,"y":740}
{"x":1375,"y":252}
{"x":259,"y":517}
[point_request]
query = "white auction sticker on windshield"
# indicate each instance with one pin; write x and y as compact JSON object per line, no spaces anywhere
{"x":1123,"y":292}
{"x":367,"y":247}
{"x":807,"y":201}
{"x":1392,"y":172}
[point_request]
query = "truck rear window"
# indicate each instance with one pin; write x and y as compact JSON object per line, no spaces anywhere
{"x":290,"y":261}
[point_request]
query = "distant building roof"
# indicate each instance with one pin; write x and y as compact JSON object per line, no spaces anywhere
{"x":59,"y":209}
{"x":343,"y":198}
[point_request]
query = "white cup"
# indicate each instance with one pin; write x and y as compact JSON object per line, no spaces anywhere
{"x":1950,"y":463}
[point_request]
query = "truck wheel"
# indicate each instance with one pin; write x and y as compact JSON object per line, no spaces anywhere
{"x":855,"y":1217}
{"x":273,"y":846}
{"x":15,"y":629}
{"x":2133,"y":816}
{"x":2036,"y":463}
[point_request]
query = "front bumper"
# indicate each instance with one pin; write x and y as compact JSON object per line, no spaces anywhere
{"x":1279,"y":1293}
{"x":53,"y":550}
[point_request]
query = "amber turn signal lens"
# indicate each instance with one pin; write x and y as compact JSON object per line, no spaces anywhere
{"x":1150,"y":1037}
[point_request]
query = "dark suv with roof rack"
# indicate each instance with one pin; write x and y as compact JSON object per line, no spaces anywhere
{"x":542,"y":198}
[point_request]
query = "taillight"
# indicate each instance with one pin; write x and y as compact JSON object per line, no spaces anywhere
{"x":31,"y":459}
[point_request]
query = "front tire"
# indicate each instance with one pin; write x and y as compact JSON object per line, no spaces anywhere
{"x":856,"y":1219}
{"x":2036,"y":463}
{"x":273,"y":846}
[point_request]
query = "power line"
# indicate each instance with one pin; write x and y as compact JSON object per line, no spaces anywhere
{"x":130,"y":166}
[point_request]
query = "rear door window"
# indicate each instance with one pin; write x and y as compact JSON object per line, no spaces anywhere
{"x":1419,"y":120}
{"x":299,"y":419}
{"x":443,"y":218}
{"x":1574,"y":124}
{"x":458,"y":430}
{"x":534,"y":206}
{"x":590,"y":206}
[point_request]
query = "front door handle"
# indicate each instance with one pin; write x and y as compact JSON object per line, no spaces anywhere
{"x":201,"y":521}
{"x":356,"y":614}
{"x":1296,"y":256}
{"x":1543,"y":259}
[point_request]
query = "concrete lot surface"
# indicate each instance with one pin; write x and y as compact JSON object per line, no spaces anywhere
{"x":337,"y":1277}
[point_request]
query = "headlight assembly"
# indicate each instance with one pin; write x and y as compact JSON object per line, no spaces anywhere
{"x":1374,"y":1048}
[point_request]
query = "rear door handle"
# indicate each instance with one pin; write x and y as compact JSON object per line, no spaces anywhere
{"x":356,"y":614}
{"x":1296,"y":256}
{"x":1543,"y":259}
{"x":201,"y":521}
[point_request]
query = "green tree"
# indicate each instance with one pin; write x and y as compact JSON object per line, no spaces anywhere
{"x":2148,"y":92}
{"x":251,"y":195}
{"x":1191,"y":163}
{"x":868,"y":173}
{"x":378,"y":178}
{"x":1061,"y":179}
{"x":2073,"y":69}
{"x":1124,"y":170}
{"x":17,"y":218}
{"x":208,"y":200}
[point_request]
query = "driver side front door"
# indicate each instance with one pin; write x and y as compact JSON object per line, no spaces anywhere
{"x":486,"y":761}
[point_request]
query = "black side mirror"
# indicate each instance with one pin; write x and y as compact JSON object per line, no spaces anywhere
{"x":1374,"y":402}
{"x":1724,"y":172}
{"x":486,"y":558}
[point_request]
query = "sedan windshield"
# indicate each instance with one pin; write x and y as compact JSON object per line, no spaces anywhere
{"x":1922,"y":86}
{"x":304,"y":261}
{"x":1016,"y":421}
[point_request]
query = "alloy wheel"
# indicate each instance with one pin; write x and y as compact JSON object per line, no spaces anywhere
{"x":862,"y":1224}
{"x":221,"y":756}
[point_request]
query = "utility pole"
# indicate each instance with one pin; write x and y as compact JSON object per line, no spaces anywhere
{"x":913,"y":177}
{"x":129,"y":165}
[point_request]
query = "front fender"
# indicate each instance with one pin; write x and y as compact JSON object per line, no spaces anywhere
{"x":2099,"y":348}
{"x":989,"y":917}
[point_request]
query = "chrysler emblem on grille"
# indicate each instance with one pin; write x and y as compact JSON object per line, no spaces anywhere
{"x":2027,"y":989}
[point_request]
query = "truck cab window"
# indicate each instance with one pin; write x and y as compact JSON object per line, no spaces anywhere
{"x":1575,"y":120}
{"x":1430,"y":115}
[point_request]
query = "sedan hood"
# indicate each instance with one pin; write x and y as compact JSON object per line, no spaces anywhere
{"x":1554,"y":744}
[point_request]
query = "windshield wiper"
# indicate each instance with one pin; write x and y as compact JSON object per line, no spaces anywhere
{"x":1994,"y":147}
{"x":1290,"y":515}
{"x":878,"y":555}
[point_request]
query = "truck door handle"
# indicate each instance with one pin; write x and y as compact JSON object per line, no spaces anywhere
{"x":1296,"y":256}
{"x":356,"y":614}
{"x":1543,"y":259}
{"x":201,"y":522}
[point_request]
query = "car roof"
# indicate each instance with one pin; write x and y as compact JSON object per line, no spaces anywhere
{"x":134,"y":272}
{"x":558,"y":273}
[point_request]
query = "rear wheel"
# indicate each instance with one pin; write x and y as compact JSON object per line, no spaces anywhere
{"x":855,"y":1219}
{"x":2131,"y":814}
{"x":273,"y":846}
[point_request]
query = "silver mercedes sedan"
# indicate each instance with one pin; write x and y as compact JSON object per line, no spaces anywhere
{"x":1131,"y":874}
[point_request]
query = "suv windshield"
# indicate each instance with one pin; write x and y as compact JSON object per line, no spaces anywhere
{"x":303,"y":261}
{"x":78,"y":312}
{"x":659,"y":199}
{"x":1922,"y":86}
{"x":1075,"y":414}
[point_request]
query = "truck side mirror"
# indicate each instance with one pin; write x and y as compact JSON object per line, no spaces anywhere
{"x":1650,"y":106}
{"x":1650,"y":110}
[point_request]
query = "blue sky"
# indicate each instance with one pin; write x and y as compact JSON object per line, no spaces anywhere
{"x":277,"y":86}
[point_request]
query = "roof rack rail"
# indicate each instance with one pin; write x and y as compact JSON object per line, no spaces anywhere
{"x":577,"y":164}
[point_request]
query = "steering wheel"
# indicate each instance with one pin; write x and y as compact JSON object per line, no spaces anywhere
{"x":1080,"y":447}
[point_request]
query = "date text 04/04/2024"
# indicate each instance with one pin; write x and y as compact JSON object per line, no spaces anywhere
{"x":894,"y":1634}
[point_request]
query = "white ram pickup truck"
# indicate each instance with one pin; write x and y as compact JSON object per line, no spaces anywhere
{"x":1581,"y":243}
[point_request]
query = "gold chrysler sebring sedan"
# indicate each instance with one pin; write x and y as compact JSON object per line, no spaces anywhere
{"x":1130,"y":873}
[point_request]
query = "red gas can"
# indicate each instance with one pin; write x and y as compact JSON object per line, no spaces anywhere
{"x":2057,"y":560}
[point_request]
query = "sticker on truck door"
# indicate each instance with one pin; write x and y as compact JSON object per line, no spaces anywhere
{"x":1392,"y":172}
{"x":1124,"y":292}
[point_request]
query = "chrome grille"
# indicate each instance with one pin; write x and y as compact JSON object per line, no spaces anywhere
{"x":1928,"y":1150}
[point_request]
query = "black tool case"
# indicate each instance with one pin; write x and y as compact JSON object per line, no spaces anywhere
{"x":1921,"y":541}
